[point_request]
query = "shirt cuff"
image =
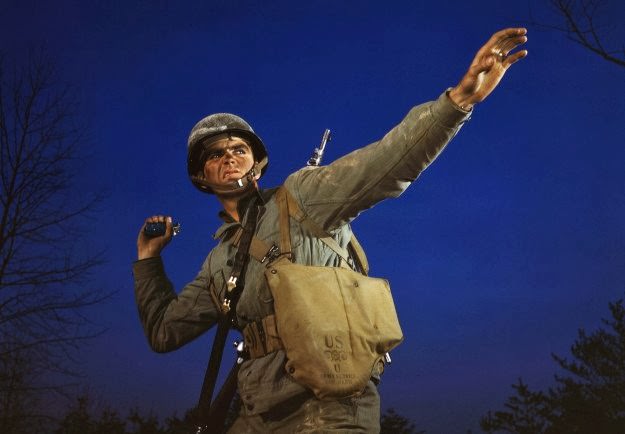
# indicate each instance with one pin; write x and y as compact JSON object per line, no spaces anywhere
{"x":449,"y":114}
{"x":148,"y":268}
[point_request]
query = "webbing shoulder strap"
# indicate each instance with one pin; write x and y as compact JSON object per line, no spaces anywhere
{"x":283,"y":212}
{"x":288,"y":206}
{"x":359,"y":255}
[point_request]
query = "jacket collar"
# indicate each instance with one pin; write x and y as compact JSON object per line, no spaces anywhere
{"x":245,"y":203}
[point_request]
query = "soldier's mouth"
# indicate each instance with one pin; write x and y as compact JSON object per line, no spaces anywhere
{"x":229,"y":173}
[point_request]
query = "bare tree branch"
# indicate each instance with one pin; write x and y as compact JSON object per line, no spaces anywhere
{"x":580,"y":26}
{"x":44,"y":273}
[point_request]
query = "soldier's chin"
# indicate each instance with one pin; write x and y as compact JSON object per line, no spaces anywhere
{"x":237,"y":191}
{"x":232,"y":177}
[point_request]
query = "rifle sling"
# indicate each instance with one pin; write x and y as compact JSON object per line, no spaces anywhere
{"x":209,"y":413}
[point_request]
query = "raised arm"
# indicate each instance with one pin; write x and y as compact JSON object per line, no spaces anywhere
{"x":335,"y":194}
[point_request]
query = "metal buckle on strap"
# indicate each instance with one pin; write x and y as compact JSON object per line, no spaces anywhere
{"x":225,"y":306}
{"x":272,"y":253}
{"x":232,"y":283}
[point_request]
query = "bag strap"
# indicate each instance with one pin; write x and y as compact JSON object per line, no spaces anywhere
{"x":359,"y":255}
{"x":288,"y":206}
{"x":283,"y":213}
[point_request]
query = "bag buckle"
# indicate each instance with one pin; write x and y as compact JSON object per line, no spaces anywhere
{"x":272,"y":253}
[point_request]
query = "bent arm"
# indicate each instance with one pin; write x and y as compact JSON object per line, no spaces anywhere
{"x":170,"y":320}
{"x":334,"y":195}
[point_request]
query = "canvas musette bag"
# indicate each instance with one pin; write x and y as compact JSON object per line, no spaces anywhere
{"x":336,"y":324}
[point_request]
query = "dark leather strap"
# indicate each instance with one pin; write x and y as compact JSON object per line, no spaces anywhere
{"x":212,"y":370}
{"x":240,"y":262}
{"x":208,"y":414}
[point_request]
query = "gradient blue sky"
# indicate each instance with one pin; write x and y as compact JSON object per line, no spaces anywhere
{"x":508,"y":244}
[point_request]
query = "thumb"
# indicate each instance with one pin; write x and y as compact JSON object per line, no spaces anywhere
{"x":484,"y":65}
{"x":169,"y":228}
{"x":487,"y":63}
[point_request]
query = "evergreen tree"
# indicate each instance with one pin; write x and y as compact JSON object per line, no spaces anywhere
{"x":589,"y":397}
{"x":393,"y":423}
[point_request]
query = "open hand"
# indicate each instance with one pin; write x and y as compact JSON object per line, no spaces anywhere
{"x":488,"y":67}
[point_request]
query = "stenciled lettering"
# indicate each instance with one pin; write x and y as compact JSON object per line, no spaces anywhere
{"x":333,"y":341}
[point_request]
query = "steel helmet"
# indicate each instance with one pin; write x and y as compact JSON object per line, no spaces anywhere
{"x":214,"y":125}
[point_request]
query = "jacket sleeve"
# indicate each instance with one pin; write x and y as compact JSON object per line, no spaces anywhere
{"x":170,"y":320}
{"x":335,"y":194}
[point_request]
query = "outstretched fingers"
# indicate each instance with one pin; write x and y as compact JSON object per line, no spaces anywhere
{"x":505,"y":41}
{"x":509,"y":60}
{"x":505,"y":35}
{"x":489,"y":66}
{"x":510,"y":45}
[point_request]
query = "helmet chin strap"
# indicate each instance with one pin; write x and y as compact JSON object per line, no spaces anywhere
{"x":237,"y":187}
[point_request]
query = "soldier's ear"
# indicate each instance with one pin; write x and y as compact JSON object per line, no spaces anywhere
{"x":256,"y":171}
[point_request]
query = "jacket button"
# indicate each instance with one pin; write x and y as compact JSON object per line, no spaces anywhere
{"x":291,"y":369}
{"x":229,"y":262}
{"x":250,"y":407}
{"x":274,"y":271}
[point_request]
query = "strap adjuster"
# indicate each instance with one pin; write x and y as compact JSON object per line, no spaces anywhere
{"x":272,"y":253}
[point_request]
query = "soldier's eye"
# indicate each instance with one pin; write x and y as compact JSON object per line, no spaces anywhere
{"x":214,"y":155}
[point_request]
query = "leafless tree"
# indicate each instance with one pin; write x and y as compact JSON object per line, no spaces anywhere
{"x":44,"y":270}
{"x":581,"y":24}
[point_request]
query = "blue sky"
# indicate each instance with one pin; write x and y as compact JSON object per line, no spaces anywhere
{"x":507,"y":245}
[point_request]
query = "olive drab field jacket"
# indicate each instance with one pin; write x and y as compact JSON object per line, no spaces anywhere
{"x":332,"y":196}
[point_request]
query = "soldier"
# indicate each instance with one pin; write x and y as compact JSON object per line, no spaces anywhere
{"x":227,"y":159}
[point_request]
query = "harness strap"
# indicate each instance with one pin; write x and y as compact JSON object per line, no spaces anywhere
{"x":259,"y":249}
{"x":261,"y":337}
{"x":359,"y":255}
{"x":235,"y":285}
{"x":285,"y":227}
{"x":298,"y":215}
{"x":287,"y":205}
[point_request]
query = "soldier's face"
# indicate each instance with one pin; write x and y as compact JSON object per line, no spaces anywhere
{"x":228,"y":160}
